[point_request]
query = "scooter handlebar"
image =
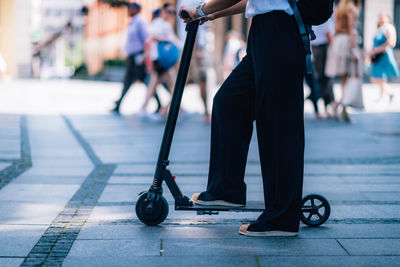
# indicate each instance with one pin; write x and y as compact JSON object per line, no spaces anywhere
{"x":184,"y":14}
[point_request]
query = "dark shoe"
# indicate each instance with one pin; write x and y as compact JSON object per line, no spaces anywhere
{"x":346,"y":116}
{"x":257,"y":229}
{"x":391,"y":98}
{"x":116,"y":110}
{"x":200,"y":199}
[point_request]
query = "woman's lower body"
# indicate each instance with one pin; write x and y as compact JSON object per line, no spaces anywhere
{"x":384,"y":69}
{"x":340,"y":64}
{"x":314,"y":93}
{"x":159,"y":75}
{"x":133,"y":73}
{"x":266,"y":87}
{"x":325,"y":83}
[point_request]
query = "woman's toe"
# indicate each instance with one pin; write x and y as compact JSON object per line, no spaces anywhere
{"x":195,"y":196}
{"x":243,"y":228}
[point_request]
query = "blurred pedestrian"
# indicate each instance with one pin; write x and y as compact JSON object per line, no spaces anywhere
{"x":149,"y":66}
{"x":314,"y":93}
{"x":233,"y":52}
{"x":197,"y":70}
{"x":137,"y":35}
{"x":384,"y":65}
{"x":319,"y":46}
{"x":163,"y":54}
{"x":3,"y":67}
{"x":344,"y":55}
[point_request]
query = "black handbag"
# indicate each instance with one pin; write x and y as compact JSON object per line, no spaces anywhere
{"x":375,"y":58}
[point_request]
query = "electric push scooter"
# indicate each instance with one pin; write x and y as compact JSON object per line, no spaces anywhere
{"x":152,"y":208}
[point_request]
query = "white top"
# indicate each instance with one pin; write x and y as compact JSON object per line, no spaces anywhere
{"x":255,"y":7}
{"x":161,"y":29}
{"x":321,"y":31}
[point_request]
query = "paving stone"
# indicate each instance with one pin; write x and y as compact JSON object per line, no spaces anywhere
{"x":37,"y":193}
{"x":4,"y":165}
{"x":17,"y":240}
{"x":347,"y":261}
{"x":57,"y":171}
{"x":28,"y":213}
{"x":372,"y":247}
{"x":195,"y":261}
{"x":366,"y":211}
{"x":49,"y":180}
{"x":10,"y":262}
{"x":115,"y":248}
{"x":252,"y":246}
{"x":100,"y":231}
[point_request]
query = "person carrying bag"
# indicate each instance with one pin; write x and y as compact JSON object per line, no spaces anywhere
{"x":352,"y":93}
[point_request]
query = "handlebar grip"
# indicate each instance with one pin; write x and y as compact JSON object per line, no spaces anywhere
{"x":185,"y":14}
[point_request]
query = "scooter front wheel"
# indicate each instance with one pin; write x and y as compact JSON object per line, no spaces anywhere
{"x":152,"y":211}
{"x":315,"y":210}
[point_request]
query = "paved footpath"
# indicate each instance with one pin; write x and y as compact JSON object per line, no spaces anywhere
{"x":70,"y":174}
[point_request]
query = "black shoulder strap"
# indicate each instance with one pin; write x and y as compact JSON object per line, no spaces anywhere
{"x":304,"y":35}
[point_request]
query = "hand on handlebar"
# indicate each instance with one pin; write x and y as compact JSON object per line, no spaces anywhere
{"x":188,"y":14}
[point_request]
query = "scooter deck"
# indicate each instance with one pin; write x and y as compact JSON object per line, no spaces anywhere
{"x":253,"y":206}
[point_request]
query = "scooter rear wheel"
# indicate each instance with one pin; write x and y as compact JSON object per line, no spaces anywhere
{"x":315,"y":210}
{"x":152,"y":214}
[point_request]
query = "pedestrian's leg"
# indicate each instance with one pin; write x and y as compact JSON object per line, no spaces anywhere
{"x":154,"y":80}
{"x":314,"y":94}
{"x":168,"y":78}
{"x":129,"y":79}
{"x":279,"y":65}
{"x":231,"y":130}
{"x":203,"y":94}
{"x":159,"y":105}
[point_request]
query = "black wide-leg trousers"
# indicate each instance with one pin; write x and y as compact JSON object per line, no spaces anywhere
{"x":267,"y":86}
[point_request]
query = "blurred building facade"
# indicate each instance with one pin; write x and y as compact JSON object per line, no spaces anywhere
{"x":15,"y":28}
{"x":106,"y":31}
{"x":61,"y":37}
{"x":26,"y":25}
{"x":100,"y":35}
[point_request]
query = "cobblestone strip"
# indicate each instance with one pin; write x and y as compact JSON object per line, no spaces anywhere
{"x":21,"y":165}
{"x":55,"y":244}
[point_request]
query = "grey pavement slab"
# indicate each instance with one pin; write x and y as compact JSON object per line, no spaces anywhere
{"x":124,"y":231}
{"x":366,"y":211}
{"x":4,"y":165}
{"x":252,"y":246}
{"x":18,"y":240}
{"x":10,"y":262}
{"x":115,"y":248}
{"x":372,"y":247}
{"x":49,"y":180}
{"x":37,"y":193}
{"x":28,"y":213}
{"x":59,"y":171}
{"x":155,"y":261}
{"x":347,"y":261}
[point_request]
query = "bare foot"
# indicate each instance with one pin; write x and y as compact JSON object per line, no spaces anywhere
{"x":243,"y":228}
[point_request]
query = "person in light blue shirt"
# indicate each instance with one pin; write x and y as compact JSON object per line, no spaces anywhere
{"x":266,"y":87}
{"x":137,"y":35}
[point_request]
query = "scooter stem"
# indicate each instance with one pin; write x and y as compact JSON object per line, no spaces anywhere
{"x":162,"y":161}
